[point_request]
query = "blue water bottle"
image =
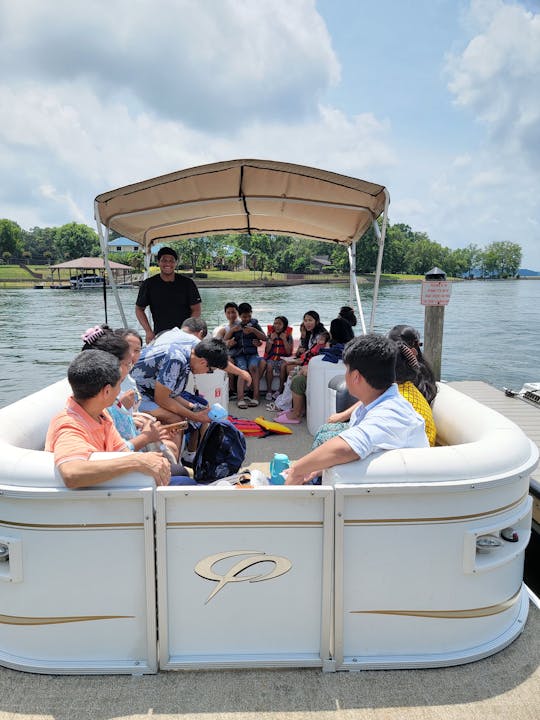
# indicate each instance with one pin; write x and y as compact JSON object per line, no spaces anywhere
{"x":217,"y":412}
{"x":280,"y":462}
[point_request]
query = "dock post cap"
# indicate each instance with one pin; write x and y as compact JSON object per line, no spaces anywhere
{"x":435,"y":274}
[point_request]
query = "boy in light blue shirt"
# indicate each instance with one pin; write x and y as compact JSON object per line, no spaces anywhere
{"x":384,"y":421}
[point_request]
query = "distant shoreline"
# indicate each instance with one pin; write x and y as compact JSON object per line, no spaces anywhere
{"x":7,"y":283}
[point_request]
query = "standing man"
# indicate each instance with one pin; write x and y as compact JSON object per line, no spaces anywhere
{"x":172,"y":298}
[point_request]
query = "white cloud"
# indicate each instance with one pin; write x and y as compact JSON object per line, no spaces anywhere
{"x":462,"y":160}
{"x":484,"y":194}
{"x":81,"y":146}
{"x":211,"y":64}
{"x":65,"y":200}
{"x":498,"y":75}
{"x":101,"y":94}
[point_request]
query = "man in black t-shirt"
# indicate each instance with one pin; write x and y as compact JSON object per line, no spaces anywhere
{"x":172,"y":298}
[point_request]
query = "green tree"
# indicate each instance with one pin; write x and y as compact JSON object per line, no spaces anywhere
{"x":423,"y":254}
{"x":339,"y":258}
{"x":457,"y":263}
{"x":503,"y":258}
{"x":133,"y":259}
{"x":74,"y":240}
{"x":39,"y":241}
{"x":10,"y":238}
{"x":473,"y":253}
{"x":197,"y":252}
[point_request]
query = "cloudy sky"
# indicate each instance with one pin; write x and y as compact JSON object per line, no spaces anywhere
{"x":439,"y":100}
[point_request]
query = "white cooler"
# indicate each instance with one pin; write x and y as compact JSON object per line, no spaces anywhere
{"x":320,"y":373}
{"x":214,"y":387}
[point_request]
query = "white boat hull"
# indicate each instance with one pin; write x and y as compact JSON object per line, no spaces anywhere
{"x":377,"y":568}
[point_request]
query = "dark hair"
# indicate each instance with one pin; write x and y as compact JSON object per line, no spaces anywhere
{"x":340,"y":331}
{"x":312,"y":334}
{"x":108,"y":341}
{"x":374,"y":356}
{"x":167,"y":251}
{"x":124,"y":332}
{"x":195,"y":325}
{"x":90,"y":371}
{"x":407,"y":333}
{"x":231,"y":304}
{"x":244,"y":308}
{"x":425,"y":378}
{"x":284,"y":320}
{"x":347,"y":313}
{"x":314,"y":314}
{"x":214,"y":351}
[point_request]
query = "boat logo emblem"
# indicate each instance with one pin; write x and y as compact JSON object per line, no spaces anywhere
{"x":236,"y":573}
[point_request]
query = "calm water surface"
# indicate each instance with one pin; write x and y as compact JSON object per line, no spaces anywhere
{"x":490,"y":331}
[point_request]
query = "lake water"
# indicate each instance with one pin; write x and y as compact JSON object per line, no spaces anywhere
{"x":491,"y":329}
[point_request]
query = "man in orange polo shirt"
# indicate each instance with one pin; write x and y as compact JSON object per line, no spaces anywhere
{"x":85,"y":427}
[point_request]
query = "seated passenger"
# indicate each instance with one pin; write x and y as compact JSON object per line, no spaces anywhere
{"x":138,"y":431}
{"x":340,"y":331}
{"x":161,"y":374}
{"x":426,"y":379}
{"x":278,"y":346}
{"x":347,"y":313}
{"x":130,"y":396}
{"x":298,"y":381}
{"x":233,"y":320}
{"x":384,"y":421}
{"x":407,"y":378}
{"x":310,"y":328}
{"x":244,"y":352}
{"x":85,"y":427}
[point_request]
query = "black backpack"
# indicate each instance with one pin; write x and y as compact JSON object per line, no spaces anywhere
{"x":221,"y":452}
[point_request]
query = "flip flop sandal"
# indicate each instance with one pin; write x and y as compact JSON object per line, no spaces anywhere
{"x":271,"y":407}
{"x":252,"y":402}
{"x":283,"y":418}
{"x":242,"y":404}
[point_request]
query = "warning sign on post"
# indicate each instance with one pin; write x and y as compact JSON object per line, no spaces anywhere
{"x":435,"y":292}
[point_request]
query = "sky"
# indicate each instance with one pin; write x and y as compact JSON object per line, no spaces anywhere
{"x":438,"y":100}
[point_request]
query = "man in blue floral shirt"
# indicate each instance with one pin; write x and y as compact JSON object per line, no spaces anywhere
{"x":162,"y":372}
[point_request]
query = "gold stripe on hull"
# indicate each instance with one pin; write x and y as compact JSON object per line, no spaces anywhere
{"x":448,"y":614}
{"x":16,"y":620}
{"x":70,"y":526}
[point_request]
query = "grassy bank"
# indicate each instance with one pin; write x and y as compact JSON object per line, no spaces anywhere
{"x":13,"y":277}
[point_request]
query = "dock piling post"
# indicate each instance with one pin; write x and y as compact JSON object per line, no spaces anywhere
{"x":435,"y":295}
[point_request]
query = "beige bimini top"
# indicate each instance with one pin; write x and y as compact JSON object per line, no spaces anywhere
{"x":243,"y":196}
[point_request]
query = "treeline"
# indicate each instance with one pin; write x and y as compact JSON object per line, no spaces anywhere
{"x":49,"y":245}
{"x":406,"y":252}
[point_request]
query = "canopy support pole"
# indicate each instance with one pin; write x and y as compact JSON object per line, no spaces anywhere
{"x":103,"y":241}
{"x":353,"y":287}
{"x":147,"y":260}
{"x":380,"y":235}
